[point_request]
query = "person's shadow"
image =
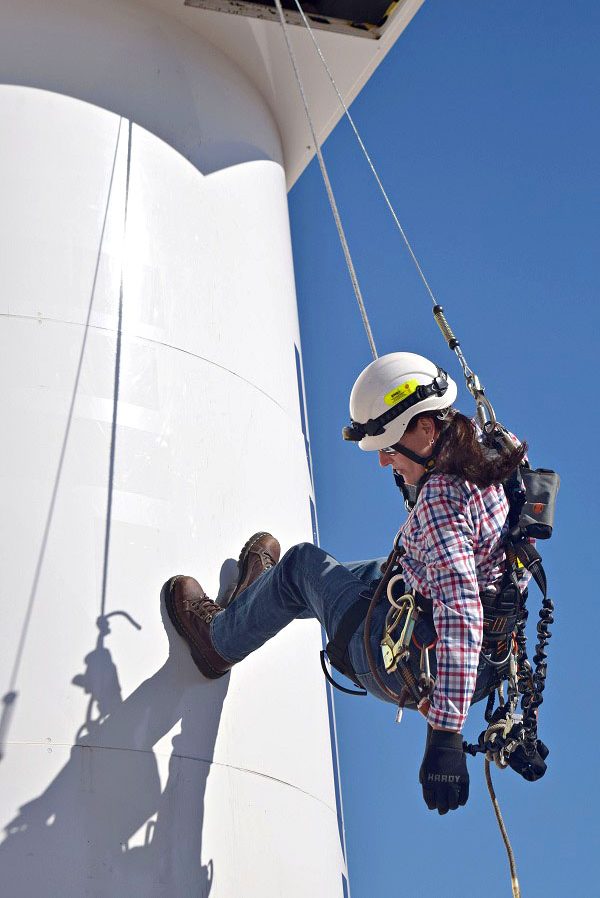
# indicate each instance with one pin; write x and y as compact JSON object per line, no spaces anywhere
{"x":74,"y":838}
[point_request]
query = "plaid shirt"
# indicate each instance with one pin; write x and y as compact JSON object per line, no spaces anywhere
{"x":453,"y":549}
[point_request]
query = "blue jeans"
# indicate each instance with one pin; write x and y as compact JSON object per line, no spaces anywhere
{"x":309,"y":583}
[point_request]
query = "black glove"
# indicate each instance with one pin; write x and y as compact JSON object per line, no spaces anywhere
{"x":532,"y":767}
{"x":443,"y":774}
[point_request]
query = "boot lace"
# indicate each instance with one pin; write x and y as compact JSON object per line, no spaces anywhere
{"x":267,"y":561}
{"x":205,"y":609}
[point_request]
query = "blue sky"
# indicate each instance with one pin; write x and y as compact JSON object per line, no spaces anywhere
{"x":483,"y":123}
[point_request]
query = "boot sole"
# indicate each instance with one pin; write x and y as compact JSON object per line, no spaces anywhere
{"x":200,"y":662}
{"x":243,"y":561}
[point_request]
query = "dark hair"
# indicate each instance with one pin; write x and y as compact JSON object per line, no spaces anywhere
{"x":459,"y":452}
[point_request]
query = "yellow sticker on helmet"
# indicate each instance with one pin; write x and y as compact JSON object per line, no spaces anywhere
{"x":400,"y":392}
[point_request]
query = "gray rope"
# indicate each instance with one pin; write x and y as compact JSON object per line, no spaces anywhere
{"x":514,"y":879}
{"x":366,"y":155}
{"x":327,"y":182}
{"x":471,"y":380}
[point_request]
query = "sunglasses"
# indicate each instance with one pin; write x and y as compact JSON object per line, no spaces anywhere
{"x":390,"y":450}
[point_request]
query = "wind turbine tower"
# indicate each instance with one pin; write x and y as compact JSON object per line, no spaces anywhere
{"x":153,"y":418}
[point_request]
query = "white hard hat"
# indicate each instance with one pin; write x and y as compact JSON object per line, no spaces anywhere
{"x":390,"y":392}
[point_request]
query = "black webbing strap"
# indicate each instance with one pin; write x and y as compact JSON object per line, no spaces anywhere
{"x":529,"y":556}
{"x":337,"y":647}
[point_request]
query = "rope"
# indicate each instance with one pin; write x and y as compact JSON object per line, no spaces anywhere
{"x":511,"y":858}
{"x":483,"y":405}
{"x":497,"y":755}
{"x":328,"y":187}
{"x":366,"y":154}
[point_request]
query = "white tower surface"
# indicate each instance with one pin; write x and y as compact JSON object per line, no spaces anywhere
{"x":153,"y":418}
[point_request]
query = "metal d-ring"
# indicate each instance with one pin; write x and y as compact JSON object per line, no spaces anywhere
{"x":390,"y":595}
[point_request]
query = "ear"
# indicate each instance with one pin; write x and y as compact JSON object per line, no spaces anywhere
{"x":427,"y":426}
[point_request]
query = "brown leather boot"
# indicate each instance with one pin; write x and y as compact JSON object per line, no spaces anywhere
{"x":260,"y":553}
{"x":191,"y":612}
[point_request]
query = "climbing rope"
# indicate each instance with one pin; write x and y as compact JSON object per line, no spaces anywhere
{"x":511,"y":857}
{"x":366,"y":153}
{"x":485,"y":411}
{"x":328,"y":187}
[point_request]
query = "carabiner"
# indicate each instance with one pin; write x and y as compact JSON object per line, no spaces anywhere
{"x":402,"y":613}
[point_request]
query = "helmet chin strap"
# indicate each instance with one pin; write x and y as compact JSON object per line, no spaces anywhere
{"x":426,"y":461}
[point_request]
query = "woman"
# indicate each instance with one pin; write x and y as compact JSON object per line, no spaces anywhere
{"x":401,"y":407}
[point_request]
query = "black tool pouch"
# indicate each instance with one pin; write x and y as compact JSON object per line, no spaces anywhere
{"x":537,"y":515}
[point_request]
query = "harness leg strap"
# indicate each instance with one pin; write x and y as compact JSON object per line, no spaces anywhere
{"x":337,"y":647}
